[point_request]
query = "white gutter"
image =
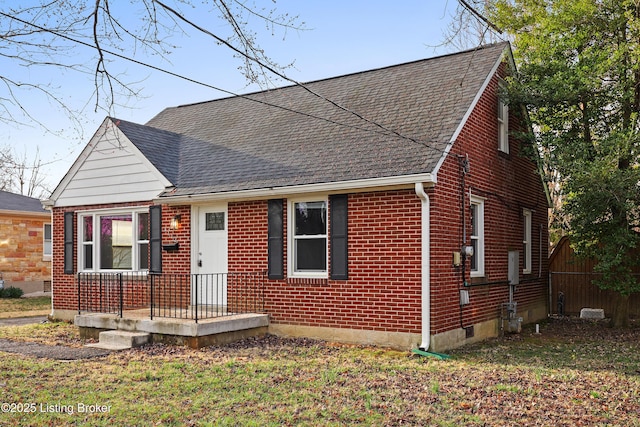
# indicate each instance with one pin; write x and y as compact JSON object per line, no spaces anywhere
{"x":25,"y":213}
{"x":262,"y":193}
{"x":425,"y":264}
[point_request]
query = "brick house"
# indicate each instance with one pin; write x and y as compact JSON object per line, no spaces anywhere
{"x":25,"y":243}
{"x":389,"y":207}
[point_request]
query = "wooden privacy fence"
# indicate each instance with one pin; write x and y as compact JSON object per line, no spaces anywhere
{"x":571,"y":285}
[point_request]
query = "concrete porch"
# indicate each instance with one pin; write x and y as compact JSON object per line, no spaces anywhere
{"x":217,"y":330}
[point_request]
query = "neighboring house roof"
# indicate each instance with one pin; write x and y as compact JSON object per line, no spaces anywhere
{"x":19,"y":203}
{"x":373,"y":128}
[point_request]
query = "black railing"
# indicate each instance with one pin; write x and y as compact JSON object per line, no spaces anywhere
{"x":100,"y":293}
{"x":182,"y":296}
{"x":204,"y":296}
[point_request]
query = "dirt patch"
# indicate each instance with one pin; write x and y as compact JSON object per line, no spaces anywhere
{"x":56,"y":352}
{"x":21,"y":314}
{"x":17,"y":321}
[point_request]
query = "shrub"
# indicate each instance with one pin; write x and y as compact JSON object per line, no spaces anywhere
{"x":11,"y":292}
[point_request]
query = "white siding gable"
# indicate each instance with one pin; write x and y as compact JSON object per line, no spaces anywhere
{"x":110,"y":169}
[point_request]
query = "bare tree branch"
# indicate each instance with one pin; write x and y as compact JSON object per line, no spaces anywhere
{"x":54,"y":34}
{"x":469,"y":26}
{"x":18,"y":175}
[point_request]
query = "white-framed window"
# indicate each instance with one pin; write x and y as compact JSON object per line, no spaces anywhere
{"x":503,"y":124}
{"x":46,"y":242}
{"x":307,"y":246}
{"x":114,"y":240}
{"x":477,"y":236}
{"x":526,"y":241}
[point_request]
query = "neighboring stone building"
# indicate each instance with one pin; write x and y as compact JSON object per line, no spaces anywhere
{"x":25,"y":243}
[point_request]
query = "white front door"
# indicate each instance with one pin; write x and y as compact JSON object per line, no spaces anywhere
{"x":210,"y":283}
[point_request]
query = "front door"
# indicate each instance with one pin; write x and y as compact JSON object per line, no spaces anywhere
{"x":211,"y":256}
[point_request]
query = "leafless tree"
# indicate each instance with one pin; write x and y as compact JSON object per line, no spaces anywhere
{"x":470,"y":27}
{"x":22,"y":175}
{"x":5,"y":160}
{"x":57,"y":36}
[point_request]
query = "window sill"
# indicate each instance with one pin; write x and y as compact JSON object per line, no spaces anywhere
{"x":308,"y":281}
{"x":504,"y":154}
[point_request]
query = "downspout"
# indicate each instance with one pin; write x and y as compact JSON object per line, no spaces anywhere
{"x":425,"y":265}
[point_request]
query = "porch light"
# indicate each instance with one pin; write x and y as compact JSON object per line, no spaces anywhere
{"x":175,"y":222}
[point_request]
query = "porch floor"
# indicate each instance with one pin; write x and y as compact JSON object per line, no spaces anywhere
{"x":176,"y":330}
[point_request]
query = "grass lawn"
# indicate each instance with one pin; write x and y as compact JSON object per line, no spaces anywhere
{"x":573,"y":373}
{"x":19,"y":307}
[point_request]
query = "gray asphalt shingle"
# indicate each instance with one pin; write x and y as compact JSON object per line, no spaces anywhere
{"x":289,"y":136}
{"x":18,"y":202}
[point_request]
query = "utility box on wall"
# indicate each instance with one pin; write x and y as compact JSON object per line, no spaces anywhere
{"x":509,"y":309}
{"x":514,"y":267}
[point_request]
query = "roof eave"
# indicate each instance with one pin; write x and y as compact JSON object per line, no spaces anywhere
{"x":43,"y":214}
{"x":331,"y":187}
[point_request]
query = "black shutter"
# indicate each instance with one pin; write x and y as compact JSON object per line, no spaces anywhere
{"x":339,"y":255}
{"x":69,"y":233}
{"x":276,"y":239}
{"x":155,"y":239}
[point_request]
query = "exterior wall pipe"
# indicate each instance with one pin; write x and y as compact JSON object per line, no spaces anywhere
{"x":426,"y":266}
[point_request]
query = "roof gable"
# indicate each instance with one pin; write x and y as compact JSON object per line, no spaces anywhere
{"x":111,"y":169}
{"x":471,"y":107}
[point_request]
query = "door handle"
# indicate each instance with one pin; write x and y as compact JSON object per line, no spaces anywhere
{"x":199,"y":263}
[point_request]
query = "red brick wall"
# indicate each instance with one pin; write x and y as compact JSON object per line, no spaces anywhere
{"x":65,"y":285}
{"x":176,"y":291}
{"x":508,"y":183}
{"x":383,"y":290}
{"x":176,"y":261}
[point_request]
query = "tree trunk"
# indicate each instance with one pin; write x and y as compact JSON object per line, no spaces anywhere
{"x":620,"y":315}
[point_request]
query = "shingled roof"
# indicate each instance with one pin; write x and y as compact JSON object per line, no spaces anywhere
{"x":20,"y":203}
{"x":392,"y":121}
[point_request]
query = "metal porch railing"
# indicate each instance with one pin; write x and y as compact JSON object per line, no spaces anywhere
{"x":181,"y":296}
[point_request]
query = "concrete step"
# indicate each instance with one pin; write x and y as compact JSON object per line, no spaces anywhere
{"x":121,"y":340}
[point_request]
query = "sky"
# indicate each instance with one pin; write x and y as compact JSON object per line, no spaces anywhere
{"x":341,"y":37}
